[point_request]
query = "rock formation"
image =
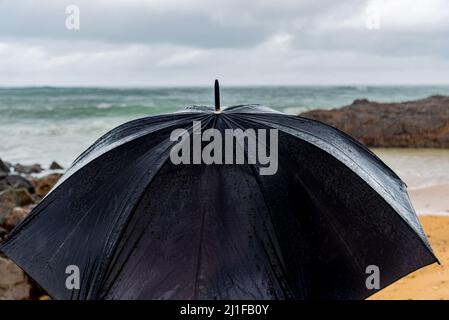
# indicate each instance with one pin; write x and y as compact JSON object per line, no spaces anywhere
{"x":420,"y":123}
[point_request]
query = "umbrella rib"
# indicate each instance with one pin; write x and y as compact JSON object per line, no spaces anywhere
{"x":88,"y":210}
{"x":256,"y":176}
{"x":80,"y":220}
{"x":199,"y":256}
{"x":131,"y":214}
{"x":163,"y":163}
{"x":335,"y":147}
{"x":200,"y":242}
{"x":274,"y":113}
{"x":250,"y":118}
{"x":80,"y":162}
{"x":399,"y":207}
{"x":136,"y":123}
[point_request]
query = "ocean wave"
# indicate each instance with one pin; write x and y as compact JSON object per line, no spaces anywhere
{"x":45,"y":124}
{"x":103,"y":105}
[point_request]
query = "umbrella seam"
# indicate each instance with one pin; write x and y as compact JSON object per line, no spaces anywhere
{"x":257,"y":178}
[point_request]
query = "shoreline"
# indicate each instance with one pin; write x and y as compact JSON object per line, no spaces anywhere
{"x":430,"y":200}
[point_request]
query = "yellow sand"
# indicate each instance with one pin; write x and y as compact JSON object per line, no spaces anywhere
{"x":431,"y":282}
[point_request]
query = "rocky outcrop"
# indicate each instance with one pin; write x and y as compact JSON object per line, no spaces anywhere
{"x":12,"y":198}
{"x":4,"y":169}
{"x":28,"y":169}
{"x":18,"y":195}
{"x":420,"y":123}
{"x":14,"y":284}
{"x":14,"y":217}
{"x":44,"y":184}
{"x":16,"y":181}
{"x":3,"y":234}
{"x":55,"y":166}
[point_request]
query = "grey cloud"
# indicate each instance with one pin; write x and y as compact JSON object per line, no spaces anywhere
{"x":112,"y":23}
{"x":203,"y":24}
{"x":213,"y":24}
{"x":262,"y":42}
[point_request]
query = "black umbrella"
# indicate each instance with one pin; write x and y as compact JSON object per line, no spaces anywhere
{"x":138,"y":226}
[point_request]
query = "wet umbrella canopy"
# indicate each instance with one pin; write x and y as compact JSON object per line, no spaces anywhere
{"x":138,"y":226}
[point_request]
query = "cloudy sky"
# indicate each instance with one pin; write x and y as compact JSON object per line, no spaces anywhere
{"x":191,"y":42}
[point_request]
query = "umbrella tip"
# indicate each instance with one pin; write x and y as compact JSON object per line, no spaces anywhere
{"x":217,"y":96}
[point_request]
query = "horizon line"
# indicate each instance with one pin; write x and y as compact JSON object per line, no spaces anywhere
{"x":163,"y":86}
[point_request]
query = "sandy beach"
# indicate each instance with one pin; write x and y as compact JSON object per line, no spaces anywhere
{"x":431,"y":282}
{"x":431,"y":202}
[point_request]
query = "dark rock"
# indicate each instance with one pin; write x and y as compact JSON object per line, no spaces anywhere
{"x":34,"y":168}
{"x":37,"y":293}
{"x":420,"y":123}
{"x":55,"y":166}
{"x":15,"y":181}
{"x":14,"y":217}
{"x":4,"y":169}
{"x":360,"y":101}
{"x":14,"y":284}
{"x":44,"y":184}
{"x":3,"y":234}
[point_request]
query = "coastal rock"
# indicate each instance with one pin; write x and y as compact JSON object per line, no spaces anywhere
{"x":23,"y":197}
{"x":11,"y":198}
{"x":44,"y":184}
{"x":55,"y":166}
{"x":28,"y":169}
{"x":15,"y":181}
{"x":3,"y":234}
{"x":14,"y":217}
{"x":7,"y":202}
{"x":14,"y":283}
{"x":420,"y":123}
{"x":4,"y":169}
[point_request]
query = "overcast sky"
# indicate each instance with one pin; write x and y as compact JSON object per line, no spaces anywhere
{"x":191,"y":42}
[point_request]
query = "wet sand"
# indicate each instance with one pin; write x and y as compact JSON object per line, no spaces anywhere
{"x":433,"y":200}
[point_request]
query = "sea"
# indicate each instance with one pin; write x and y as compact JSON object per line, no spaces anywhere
{"x":45,"y":124}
